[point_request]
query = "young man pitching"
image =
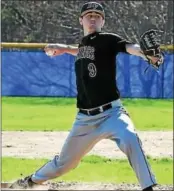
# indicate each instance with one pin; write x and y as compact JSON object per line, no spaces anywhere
{"x":101,"y":114}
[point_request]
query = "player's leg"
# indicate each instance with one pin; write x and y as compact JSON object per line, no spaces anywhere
{"x":82,"y":138}
{"x":123,"y":133}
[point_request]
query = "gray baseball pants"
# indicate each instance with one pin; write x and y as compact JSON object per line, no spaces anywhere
{"x":114,"y":124}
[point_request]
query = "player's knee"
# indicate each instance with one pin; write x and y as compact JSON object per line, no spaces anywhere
{"x":131,"y":140}
{"x":65,"y":169}
{"x":62,"y":167}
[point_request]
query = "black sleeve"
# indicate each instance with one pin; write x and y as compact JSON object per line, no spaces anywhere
{"x":118,"y":44}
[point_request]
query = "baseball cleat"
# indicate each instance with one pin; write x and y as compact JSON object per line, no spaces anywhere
{"x":23,"y":183}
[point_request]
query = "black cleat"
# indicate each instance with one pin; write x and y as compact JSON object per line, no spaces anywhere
{"x":23,"y":183}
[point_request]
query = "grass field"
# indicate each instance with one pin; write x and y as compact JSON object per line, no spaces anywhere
{"x":57,"y":114}
{"x":91,"y":168}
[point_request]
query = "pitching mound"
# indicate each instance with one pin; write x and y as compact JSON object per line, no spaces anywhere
{"x":50,"y":186}
{"x":101,"y":186}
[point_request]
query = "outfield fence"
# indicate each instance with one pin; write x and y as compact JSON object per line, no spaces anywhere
{"x":28,"y":71}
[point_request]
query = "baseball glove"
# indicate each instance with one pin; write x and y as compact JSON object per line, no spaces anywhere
{"x":150,"y":47}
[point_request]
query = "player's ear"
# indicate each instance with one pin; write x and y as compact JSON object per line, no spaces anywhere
{"x":103,"y":22}
{"x":80,"y":20}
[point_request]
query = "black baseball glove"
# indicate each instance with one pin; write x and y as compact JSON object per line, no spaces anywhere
{"x":150,"y":47}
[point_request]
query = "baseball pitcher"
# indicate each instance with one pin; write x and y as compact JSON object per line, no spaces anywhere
{"x":101,"y":114}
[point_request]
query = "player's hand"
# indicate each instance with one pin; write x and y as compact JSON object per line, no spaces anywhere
{"x":156,"y":61}
{"x":153,"y":59}
{"x":54,"y":50}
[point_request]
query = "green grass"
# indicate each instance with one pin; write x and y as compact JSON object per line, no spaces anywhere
{"x":91,"y":168}
{"x":57,"y":114}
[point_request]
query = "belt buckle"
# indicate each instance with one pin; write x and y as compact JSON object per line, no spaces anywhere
{"x":101,"y":109}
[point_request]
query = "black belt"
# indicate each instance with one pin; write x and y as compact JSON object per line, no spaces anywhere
{"x":97,"y":110}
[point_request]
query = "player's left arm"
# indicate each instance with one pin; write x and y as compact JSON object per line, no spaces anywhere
{"x":149,"y":49}
{"x":135,"y":49}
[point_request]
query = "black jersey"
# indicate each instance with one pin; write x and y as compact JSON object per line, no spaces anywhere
{"x":95,"y":68}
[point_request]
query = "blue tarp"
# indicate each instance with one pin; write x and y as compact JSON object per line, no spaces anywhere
{"x":33,"y":73}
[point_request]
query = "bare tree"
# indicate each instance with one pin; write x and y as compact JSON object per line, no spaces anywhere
{"x":54,"y":21}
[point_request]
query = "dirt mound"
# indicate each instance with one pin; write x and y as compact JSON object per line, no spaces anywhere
{"x":101,"y":186}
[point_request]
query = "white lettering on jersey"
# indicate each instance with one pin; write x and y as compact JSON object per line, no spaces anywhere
{"x":86,"y":52}
{"x":92,"y":70}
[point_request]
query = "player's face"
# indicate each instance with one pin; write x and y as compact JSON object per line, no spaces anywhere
{"x":92,"y":22}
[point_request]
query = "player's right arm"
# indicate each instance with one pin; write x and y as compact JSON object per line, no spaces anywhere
{"x":58,"y":49}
